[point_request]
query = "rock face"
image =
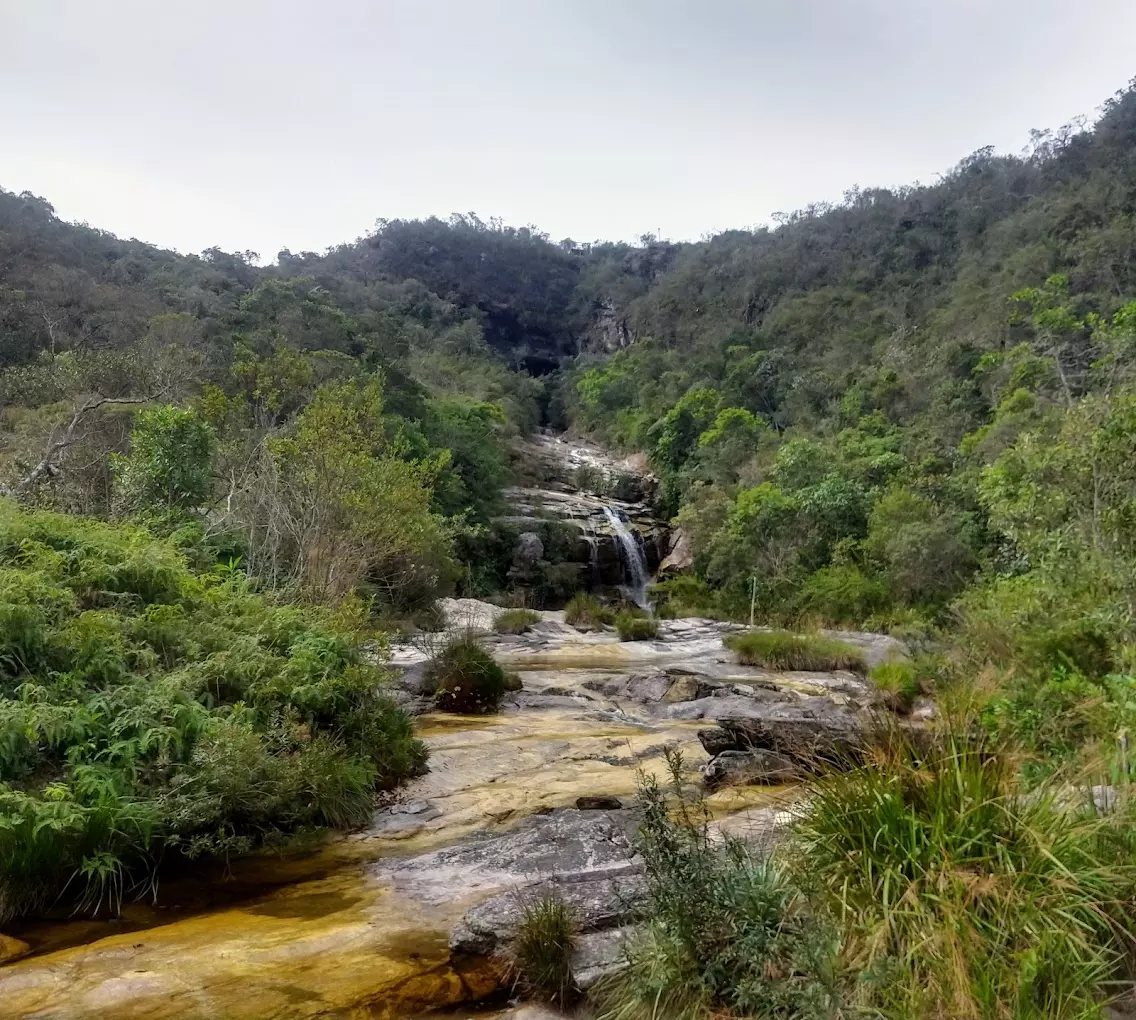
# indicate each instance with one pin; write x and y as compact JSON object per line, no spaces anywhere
{"x":569,"y":488}
{"x":12,"y":949}
{"x":527,"y":554}
{"x":680,"y":555}
{"x":746,"y":768}
{"x":804,"y":733}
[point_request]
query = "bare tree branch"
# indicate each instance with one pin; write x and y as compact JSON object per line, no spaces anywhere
{"x":48,"y":467}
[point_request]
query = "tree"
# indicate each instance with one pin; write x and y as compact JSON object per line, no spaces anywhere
{"x":170,"y":464}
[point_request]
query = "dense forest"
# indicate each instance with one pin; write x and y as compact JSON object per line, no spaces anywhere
{"x":912,"y":411}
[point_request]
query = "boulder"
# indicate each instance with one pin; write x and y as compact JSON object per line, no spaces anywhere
{"x":648,"y":688}
{"x":804,"y":731}
{"x":565,"y":842}
{"x":12,"y":949}
{"x":527,"y":554}
{"x":598,"y":955}
{"x":749,"y":768}
{"x":599,"y":900}
{"x":680,"y":555}
{"x":598,"y":803}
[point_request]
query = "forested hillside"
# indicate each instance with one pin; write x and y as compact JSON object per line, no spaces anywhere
{"x":913,"y":411}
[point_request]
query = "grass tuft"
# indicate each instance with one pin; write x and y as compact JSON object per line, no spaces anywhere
{"x":898,"y":684}
{"x":586,"y":612}
{"x":782,"y":649}
{"x":466,"y":678}
{"x":515,"y":621}
{"x":633,"y":626}
{"x":958,"y":896}
{"x":541,"y":950}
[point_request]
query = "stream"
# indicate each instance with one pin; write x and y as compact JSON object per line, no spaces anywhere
{"x":366,"y":924}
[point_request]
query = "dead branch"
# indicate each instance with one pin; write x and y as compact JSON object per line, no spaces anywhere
{"x":48,"y":467}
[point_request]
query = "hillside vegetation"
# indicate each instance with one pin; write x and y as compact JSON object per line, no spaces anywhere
{"x":913,"y":411}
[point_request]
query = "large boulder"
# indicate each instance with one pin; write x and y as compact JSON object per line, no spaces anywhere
{"x":806,"y":731}
{"x":748,"y":768}
{"x":527,"y":554}
{"x":680,"y":555}
{"x":599,"y":900}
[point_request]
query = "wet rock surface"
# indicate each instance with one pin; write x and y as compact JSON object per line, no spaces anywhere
{"x":410,"y":913}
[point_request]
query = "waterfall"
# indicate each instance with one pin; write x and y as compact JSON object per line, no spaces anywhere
{"x":638,"y":578}
{"x":589,"y":533}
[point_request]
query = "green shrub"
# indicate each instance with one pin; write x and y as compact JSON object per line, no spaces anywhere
{"x":1054,"y":719}
{"x":842,"y":595}
{"x":958,"y":895}
{"x":515,"y":621}
{"x":685,"y":595}
{"x":633,"y":626}
{"x":782,"y":649}
{"x":586,"y":612}
{"x":726,"y":933}
{"x":897,"y":682}
{"x":149,"y":711}
{"x":466,"y":677}
{"x":541,"y":949}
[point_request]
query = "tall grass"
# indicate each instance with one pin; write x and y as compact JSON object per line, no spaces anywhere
{"x":897,"y":683}
{"x":782,"y":649}
{"x":726,"y":933}
{"x":541,"y":949}
{"x":634,"y":626}
{"x":586,"y":612}
{"x":956,"y":894}
{"x":515,"y":621}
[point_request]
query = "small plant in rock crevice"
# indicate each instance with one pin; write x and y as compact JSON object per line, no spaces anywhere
{"x":540,"y":954}
{"x":516,"y":621}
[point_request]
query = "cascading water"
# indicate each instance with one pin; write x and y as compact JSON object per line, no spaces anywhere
{"x":637,"y":575}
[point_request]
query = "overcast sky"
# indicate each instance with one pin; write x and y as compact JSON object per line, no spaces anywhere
{"x":265,"y":124}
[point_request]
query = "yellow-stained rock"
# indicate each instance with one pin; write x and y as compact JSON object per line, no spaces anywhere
{"x":12,"y":949}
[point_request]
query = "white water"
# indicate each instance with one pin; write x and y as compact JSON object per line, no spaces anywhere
{"x":638,"y":578}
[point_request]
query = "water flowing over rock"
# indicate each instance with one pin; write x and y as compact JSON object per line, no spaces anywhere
{"x":409,"y":914}
{"x":589,"y":509}
{"x":632,"y":555}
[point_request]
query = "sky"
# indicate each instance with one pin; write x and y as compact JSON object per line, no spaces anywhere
{"x":265,"y":124}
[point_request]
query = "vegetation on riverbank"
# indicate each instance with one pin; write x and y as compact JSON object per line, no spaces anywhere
{"x":150,"y":710}
{"x":913,"y":411}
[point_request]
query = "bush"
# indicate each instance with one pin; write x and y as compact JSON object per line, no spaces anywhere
{"x":726,"y":933}
{"x":1054,"y":719}
{"x":782,"y":649}
{"x":956,"y":894}
{"x":685,"y":595}
{"x":467,"y":678}
{"x":150,"y":712}
{"x":541,"y":950}
{"x":897,"y":682}
{"x":636,"y":627}
{"x":842,"y":594}
{"x":515,"y":621}
{"x":586,"y":612}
